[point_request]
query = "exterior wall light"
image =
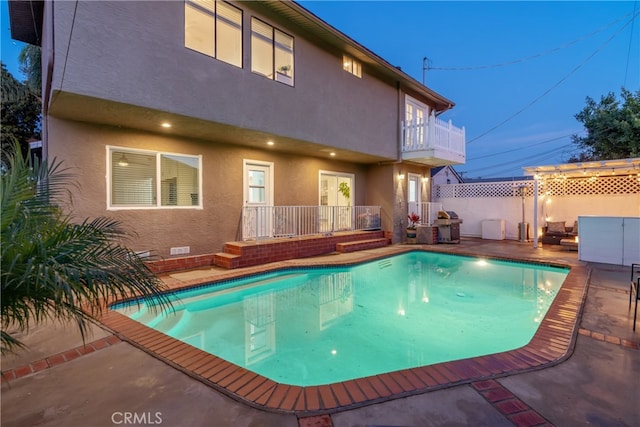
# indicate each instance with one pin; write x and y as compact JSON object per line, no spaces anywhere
{"x":123,"y":161}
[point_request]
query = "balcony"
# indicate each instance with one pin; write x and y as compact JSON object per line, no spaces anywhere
{"x":433,"y":142}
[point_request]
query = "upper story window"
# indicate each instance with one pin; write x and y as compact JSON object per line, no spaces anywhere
{"x":271,"y":52}
{"x":215,"y":29}
{"x":351,"y":65}
{"x":149,"y":179}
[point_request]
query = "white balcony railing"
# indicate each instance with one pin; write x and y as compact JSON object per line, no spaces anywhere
{"x":268,"y":222}
{"x":432,"y":134}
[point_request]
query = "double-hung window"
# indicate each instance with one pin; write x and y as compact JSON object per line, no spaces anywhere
{"x":215,"y":29}
{"x":271,"y":52}
{"x":150,"y":179}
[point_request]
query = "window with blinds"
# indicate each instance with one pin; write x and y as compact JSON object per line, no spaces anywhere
{"x":215,"y":29}
{"x":146,"y":179}
{"x":271,"y":52}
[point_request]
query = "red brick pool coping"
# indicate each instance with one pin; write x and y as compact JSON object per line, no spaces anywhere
{"x":553,"y":342}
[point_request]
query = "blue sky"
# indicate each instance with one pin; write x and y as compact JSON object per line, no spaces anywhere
{"x":517,"y":71}
{"x":9,"y":48}
{"x":560,"y":53}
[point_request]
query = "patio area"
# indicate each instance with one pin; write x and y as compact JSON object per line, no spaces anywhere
{"x":60,"y":382}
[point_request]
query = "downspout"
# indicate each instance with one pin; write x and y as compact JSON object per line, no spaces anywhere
{"x":398,"y":128}
{"x":46,"y":87}
{"x":399,"y":115}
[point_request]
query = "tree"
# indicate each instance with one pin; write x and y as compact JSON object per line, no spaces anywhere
{"x":30,"y":64}
{"x":53,"y":268}
{"x":613,"y":130}
{"x":19,"y":116}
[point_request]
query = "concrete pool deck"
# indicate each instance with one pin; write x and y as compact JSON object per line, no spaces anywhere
{"x":596,"y":384}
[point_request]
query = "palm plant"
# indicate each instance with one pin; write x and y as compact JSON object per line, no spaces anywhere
{"x":53,"y":268}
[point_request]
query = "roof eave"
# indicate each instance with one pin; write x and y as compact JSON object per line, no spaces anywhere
{"x":25,"y":20}
{"x":337,"y":38}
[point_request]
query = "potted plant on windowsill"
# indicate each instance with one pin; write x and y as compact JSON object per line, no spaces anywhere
{"x":285,"y":69}
{"x":283,"y":74}
{"x":414,"y":219}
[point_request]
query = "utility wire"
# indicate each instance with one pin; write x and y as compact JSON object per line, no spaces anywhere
{"x":522,"y":148}
{"x":626,"y":70}
{"x":545,"y":93}
{"x":66,"y":56}
{"x":522,"y":160}
{"x":505,"y":171}
{"x":535,"y":56}
{"x":528,"y":160}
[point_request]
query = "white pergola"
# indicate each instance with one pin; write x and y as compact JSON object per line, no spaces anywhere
{"x":620,"y":167}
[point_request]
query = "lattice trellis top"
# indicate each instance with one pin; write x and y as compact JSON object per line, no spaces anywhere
{"x":628,"y":184}
{"x":597,"y":168}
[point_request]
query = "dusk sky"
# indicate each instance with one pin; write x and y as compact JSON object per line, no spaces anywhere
{"x":518,"y":71}
{"x":528,"y":64}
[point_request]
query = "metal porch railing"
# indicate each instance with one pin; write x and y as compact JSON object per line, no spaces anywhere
{"x":268,"y":222}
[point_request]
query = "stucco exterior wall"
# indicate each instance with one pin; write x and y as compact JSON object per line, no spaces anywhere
{"x":133,"y":52}
{"x":83,"y":149}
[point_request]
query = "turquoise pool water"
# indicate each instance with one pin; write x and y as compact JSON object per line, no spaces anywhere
{"x":314,"y":326}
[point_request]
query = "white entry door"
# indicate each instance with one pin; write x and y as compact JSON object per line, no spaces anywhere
{"x":258,"y":199}
{"x":414,"y":195}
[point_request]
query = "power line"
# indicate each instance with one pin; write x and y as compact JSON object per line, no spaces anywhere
{"x":523,"y":148}
{"x":626,"y":70}
{"x":522,"y":160}
{"x":527,"y":58}
{"x":545,"y":93}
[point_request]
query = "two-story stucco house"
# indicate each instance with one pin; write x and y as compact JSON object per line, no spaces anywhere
{"x":202,"y":122}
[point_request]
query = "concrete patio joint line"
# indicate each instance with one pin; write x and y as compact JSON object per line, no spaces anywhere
{"x":58,"y":358}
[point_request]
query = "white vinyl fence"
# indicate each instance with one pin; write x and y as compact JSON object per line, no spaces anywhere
{"x":559,"y":199}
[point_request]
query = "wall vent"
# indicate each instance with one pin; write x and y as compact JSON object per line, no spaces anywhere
{"x":180,"y":250}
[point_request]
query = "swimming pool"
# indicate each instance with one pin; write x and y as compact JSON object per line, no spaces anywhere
{"x":312,"y":326}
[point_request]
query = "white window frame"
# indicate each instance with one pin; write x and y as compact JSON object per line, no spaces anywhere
{"x":246,"y":165}
{"x":285,"y":77}
{"x":351,"y":176}
{"x":415,"y":133}
{"x":414,"y":180}
{"x":158,"y":178}
{"x":351,"y":65}
{"x":216,"y":17}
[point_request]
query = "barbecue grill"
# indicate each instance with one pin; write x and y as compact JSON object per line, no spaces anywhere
{"x":448,"y":224}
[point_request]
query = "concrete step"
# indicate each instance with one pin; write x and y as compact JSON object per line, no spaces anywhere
{"x":225,"y":260}
{"x":360,"y":245}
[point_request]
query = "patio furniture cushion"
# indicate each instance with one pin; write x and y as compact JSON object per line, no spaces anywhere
{"x":555,"y":231}
{"x":557,"y":227}
{"x":569,"y":244}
